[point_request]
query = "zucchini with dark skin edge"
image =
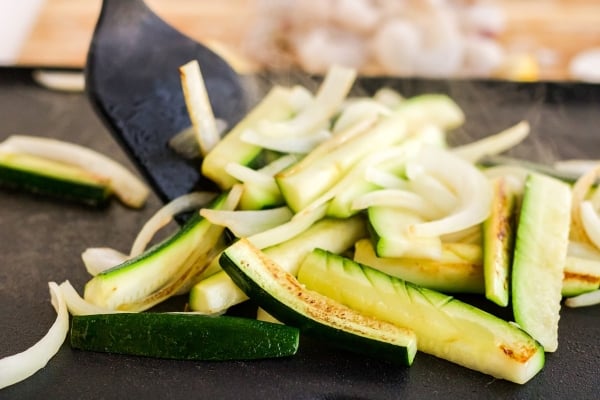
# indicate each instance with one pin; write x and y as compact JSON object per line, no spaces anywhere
{"x":281,"y":295}
{"x":51,"y":179}
{"x":183,"y":336}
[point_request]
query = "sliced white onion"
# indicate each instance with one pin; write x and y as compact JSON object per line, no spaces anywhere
{"x":591,"y":222}
{"x":300,"y":144}
{"x":248,"y":175}
{"x":357,"y":111}
{"x":580,"y":191}
{"x":184,"y":203}
{"x":494,"y":144}
{"x":388,"y":97}
{"x":64,"y":81}
{"x":298,"y":224}
{"x":185,"y":143}
{"x":430,"y":188}
{"x":279,"y":164}
{"x":246,"y":223}
{"x":584,"y":300}
{"x":396,"y":198}
{"x":22,"y":365}
{"x":576,"y":166}
{"x":384,"y":179}
{"x":471,"y":187}
{"x":337,"y":140}
{"x":126,"y":186}
{"x":329,"y":97}
{"x":77,"y":305}
{"x":583,"y":250}
{"x":198,"y":106}
{"x":300,"y":97}
{"x":99,"y":259}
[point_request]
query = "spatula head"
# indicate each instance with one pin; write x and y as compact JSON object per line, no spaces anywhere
{"x":133,"y":82}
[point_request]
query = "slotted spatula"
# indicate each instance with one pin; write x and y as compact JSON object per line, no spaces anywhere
{"x":132,"y":81}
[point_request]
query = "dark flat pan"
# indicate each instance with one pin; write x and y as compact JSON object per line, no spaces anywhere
{"x":41,"y":241}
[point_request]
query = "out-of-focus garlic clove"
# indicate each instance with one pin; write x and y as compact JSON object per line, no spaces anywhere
{"x":360,"y":16}
{"x":482,"y":56}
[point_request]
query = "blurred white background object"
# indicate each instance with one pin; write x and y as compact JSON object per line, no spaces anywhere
{"x":432,"y":38}
{"x":17,"y":18}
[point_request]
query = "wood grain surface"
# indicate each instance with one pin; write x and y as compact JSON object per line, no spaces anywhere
{"x":554,"y":30}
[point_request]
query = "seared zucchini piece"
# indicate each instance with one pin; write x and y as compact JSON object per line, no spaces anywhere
{"x":52,"y":178}
{"x":458,"y":270}
{"x":498,"y":240}
{"x":445,"y":327}
{"x":143,"y":281}
{"x":282,"y":296}
{"x":539,"y":257}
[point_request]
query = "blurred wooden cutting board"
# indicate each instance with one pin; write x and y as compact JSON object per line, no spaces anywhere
{"x":62,"y":33}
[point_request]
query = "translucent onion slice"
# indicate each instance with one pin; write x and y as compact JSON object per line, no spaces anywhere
{"x":248,"y":175}
{"x":298,"y":224}
{"x":388,"y":97}
{"x":332,"y":92}
{"x":399,"y":153}
{"x":384,"y":179}
{"x":185,"y":143}
{"x":583,"y":250}
{"x":515,"y":176}
{"x":357,"y":111}
{"x":198,"y":106}
{"x":99,"y":259}
{"x":471,"y":187}
{"x":580,"y":191}
{"x":184,"y":203}
{"x":248,"y":222}
{"x":396,"y":198}
{"x":494,"y":144}
{"x":126,"y":186}
{"x":584,"y":300}
{"x":591,"y":222}
{"x":77,"y":305}
{"x":577,"y":166}
{"x":286,"y":144}
{"x":279,"y":164}
{"x":22,"y":365}
{"x":428,"y":187}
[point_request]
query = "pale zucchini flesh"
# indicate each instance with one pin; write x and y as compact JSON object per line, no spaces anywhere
{"x":458,"y":270}
{"x":445,"y":327}
{"x":539,"y":257}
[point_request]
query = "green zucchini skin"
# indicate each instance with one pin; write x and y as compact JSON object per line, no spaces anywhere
{"x":445,"y":327}
{"x":38,"y":182}
{"x":183,"y":336}
{"x":312,"y":313}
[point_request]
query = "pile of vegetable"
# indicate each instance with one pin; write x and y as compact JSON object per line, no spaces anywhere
{"x":350,"y":219}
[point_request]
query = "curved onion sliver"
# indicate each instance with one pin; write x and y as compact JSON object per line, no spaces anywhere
{"x":22,"y":365}
{"x":299,"y":144}
{"x":494,"y":144}
{"x":298,"y":224}
{"x":591,"y":222}
{"x":584,"y":300}
{"x":99,"y":259}
{"x":244,"y":223}
{"x":396,"y":198}
{"x":471,"y":187}
{"x":187,"y":202}
{"x":580,"y":190}
{"x":126,"y":186}
{"x":77,"y":305}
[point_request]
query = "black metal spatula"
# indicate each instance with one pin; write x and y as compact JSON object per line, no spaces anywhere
{"x":133,"y":82}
